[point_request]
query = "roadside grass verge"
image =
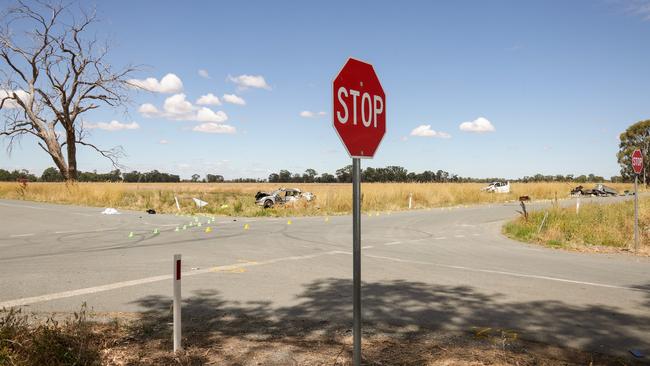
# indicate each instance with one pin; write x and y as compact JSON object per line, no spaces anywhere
{"x":237,"y":199}
{"x":28,"y":341}
{"x":595,"y":227}
{"x":80,"y":341}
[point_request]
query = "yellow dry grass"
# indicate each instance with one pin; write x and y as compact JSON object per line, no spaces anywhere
{"x":237,"y":199}
{"x":595,"y":227}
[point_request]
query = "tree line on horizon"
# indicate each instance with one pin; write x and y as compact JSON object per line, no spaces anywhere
{"x":389,"y":174}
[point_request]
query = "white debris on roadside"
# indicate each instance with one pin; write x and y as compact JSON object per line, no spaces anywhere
{"x":110,"y":211}
{"x":199,"y":203}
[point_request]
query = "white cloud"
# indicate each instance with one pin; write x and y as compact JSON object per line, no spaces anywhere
{"x":208,"y":99}
{"x":639,"y":8}
{"x":479,"y":125}
{"x":211,"y":127}
{"x":208,"y":115}
{"x":250,"y":81}
{"x":148,"y":110}
{"x":310,"y":114}
{"x":204,"y":74}
{"x":112,"y":126}
{"x":170,"y":83}
{"x":177,"y":107}
{"x":234,"y":99}
{"x":426,"y":131}
{"x":10,"y":103}
{"x":163,"y":142}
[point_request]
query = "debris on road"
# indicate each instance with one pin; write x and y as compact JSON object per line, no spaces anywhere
{"x":199,"y":203}
{"x":110,"y":211}
{"x":636,"y":353}
{"x":599,"y":190}
{"x":151,"y":211}
{"x":282,"y":196}
{"x":497,"y":187}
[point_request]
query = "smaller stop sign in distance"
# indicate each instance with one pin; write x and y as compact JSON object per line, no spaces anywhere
{"x":637,"y":161}
{"x":359,"y":112}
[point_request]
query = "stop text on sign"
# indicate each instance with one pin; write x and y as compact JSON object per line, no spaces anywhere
{"x":637,"y":160}
{"x":368,"y":106}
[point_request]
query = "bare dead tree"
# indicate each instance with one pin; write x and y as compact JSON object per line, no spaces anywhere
{"x":51,"y":75}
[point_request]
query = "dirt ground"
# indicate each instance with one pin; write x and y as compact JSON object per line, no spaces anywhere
{"x":138,"y":343}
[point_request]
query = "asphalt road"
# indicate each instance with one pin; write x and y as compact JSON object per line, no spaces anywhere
{"x":440,"y":270}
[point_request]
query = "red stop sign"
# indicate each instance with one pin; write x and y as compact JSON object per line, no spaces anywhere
{"x":637,"y":161}
{"x":359,"y":108}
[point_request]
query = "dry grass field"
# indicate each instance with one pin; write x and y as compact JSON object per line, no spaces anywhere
{"x":595,"y":227}
{"x":237,"y":199}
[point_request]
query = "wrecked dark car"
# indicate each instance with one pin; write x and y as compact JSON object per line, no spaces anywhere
{"x":281,"y":196}
{"x":599,"y":190}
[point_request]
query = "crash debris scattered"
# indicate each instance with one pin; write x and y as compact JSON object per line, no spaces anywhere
{"x":497,"y":187}
{"x":599,"y":190}
{"x":282,"y":196}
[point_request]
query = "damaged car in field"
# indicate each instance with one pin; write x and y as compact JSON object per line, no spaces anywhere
{"x":281,"y":196}
{"x":599,"y":190}
{"x":497,"y":187}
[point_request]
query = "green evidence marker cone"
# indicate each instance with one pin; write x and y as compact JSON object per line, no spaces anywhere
{"x":184,"y":227}
{"x":131,"y":234}
{"x":156,"y":232}
{"x":177,"y":229}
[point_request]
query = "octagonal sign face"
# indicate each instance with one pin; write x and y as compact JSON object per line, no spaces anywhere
{"x":359,"y":112}
{"x":637,"y":161}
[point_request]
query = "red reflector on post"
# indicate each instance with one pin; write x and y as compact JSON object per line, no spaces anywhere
{"x":178,"y":269}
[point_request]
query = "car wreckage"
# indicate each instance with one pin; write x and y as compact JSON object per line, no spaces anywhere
{"x":497,"y":187}
{"x":282,"y":196}
{"x":599,"y":190}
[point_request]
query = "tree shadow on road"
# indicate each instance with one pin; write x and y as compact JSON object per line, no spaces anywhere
{"x":401,"y":310}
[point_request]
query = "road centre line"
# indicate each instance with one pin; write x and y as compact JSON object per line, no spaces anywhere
{"x":505,"y":273}
{"x":141,"y":281}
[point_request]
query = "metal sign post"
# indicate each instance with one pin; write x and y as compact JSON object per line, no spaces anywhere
{"x":636,"y":213}
{"x":637,"y":166}
{"x":356,"y":259}
{"x":359,"y":118}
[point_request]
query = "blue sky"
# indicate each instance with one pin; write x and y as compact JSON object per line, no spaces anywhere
{"x":557,"y":81}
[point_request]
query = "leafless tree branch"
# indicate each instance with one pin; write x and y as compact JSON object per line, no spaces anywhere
{"x":55,"y":78}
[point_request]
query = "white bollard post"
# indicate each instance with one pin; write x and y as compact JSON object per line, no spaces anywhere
{"x":578,"y":206}
{"x":178,"y":207}
{"x":177,"y":302}
{"x":410,"y":200}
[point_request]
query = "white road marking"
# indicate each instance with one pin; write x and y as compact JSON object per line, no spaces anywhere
{"x":441,"y":238}
{"x":459,"y":236}
{"x":505,"y":273}
{"x":142,"y":281}
{"x":20,"y":235}
{"x":476,"y":234}
{"x":367,"y":247}
{"x":393,"y":243}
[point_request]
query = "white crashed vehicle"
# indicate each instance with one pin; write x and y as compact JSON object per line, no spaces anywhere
{"x":497,"y":187}
{"x":282,"y":196}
